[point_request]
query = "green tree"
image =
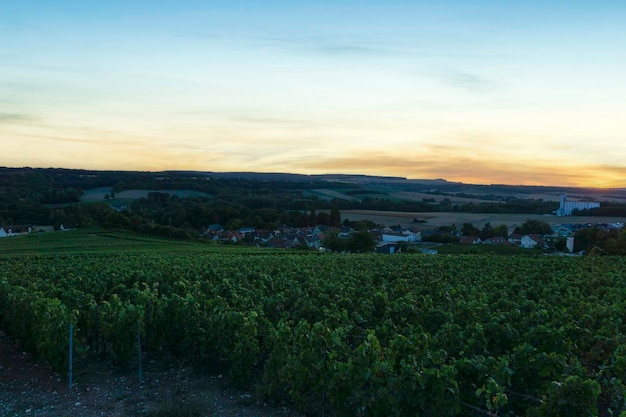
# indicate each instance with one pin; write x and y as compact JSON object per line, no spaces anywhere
{"x":360,"y":225}
{"x":361,"y":241}
{"x":234,"y":224}
{"x":501,"y":230}
{"x":616,"y":243}
{"x":586,"y":239}
{"x":469,"y":229}
{"x":333,"y":242}
{"x":322,"y":219}
{"x":560,"y":244}
{"x":534,"y":226}
{"x":335,"y":217}
{"x":487,"y":231}
{"x":57,"y":216}
{"x":447,"y":229}
{"x":312,"y":217}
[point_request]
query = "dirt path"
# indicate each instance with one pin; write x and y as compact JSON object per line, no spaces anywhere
{"x":31,"y":389}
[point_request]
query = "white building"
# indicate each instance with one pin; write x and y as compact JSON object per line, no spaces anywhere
{"x":531,"y":241}
{"x":405,"y":236}
{"x":566,"y":207}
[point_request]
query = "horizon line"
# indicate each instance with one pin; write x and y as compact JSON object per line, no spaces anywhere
{"x":389,"y":177}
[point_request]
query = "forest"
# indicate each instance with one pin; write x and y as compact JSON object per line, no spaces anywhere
{"x":53,"y":196}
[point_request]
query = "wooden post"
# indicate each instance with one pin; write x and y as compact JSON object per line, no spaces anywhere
{"x":324,"y":385}
{"x":139,"y":351}
{"x":71,"y":354}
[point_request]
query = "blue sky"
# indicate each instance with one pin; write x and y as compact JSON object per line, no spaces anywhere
{"x":483,"y":91}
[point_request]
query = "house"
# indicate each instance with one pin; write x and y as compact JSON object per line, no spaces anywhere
{"x":496,"y":240}
{"x":389,"y":247}
{"x":276,"y":242}
{"x":320,"y":228}
{"x":346,"y":231}
{"x":15,"y":230}
{"x":404,"y":236}
{"x":516,"y":239}
{"x":215,"y":227}
{"x":233,"y":237}
{"x":309,"y":242}
{"x":119,"y":207}
{"x":469,"y":240}
{"x":531,"y":241}
{"x":213,"y":231}
{"x":262,"y":236}
{"x":563,"y":230}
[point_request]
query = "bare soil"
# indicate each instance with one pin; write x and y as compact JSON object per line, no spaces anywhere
{"x":170,"y":388}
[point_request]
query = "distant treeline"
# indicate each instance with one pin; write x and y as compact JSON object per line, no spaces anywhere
{"x":609,"y":209}
{"x":511,"y":206}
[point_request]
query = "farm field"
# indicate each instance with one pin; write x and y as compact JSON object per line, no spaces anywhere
{"x":411,"y":196}
{"x":328,"y":194}
{"x":98,"y":194}
{"x":88,"y":241}
{"x":341,"y":335}
{"x":104,"y":242}
{"x":436,"y":219}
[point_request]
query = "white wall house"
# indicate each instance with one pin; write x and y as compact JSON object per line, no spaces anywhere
{"x":401,"y":237}
{"x":530,"y":241}
{"x":15,"y":231}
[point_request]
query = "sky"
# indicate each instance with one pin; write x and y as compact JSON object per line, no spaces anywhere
{"x":485,"y":91}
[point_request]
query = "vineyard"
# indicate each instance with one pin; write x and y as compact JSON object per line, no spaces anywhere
{"x":344,"y":335}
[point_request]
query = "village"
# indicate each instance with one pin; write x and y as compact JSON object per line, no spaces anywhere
{"x":385,"y":240}
{"x":418,"y":237}
{"x":392,"y":240}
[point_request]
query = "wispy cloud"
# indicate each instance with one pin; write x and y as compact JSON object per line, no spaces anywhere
{"x":351,"y":49}
{"x":472,"y":170}
{"x":15,"y":118}
{"x":65,"y":139}
{"x":325,"y":45}
{"x":265,"y":121}
{"x":464,"y":80}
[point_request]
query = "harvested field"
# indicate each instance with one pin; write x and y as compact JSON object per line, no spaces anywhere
{"x":331,"y":194}
{"x":438,"y":198}
{"x":98,"y":194}
{"x":433,"y":220}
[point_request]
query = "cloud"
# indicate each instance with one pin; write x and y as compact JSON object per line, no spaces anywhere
{"x":470,"y":169}
{"x":466,"y":81}
{"x":94,"y":138}
{"x":66,"y":139}
{"x":322,"y":45}
{"x":264,"y":122}
{"x":352,"y":49}
{"x":15,"y":118}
